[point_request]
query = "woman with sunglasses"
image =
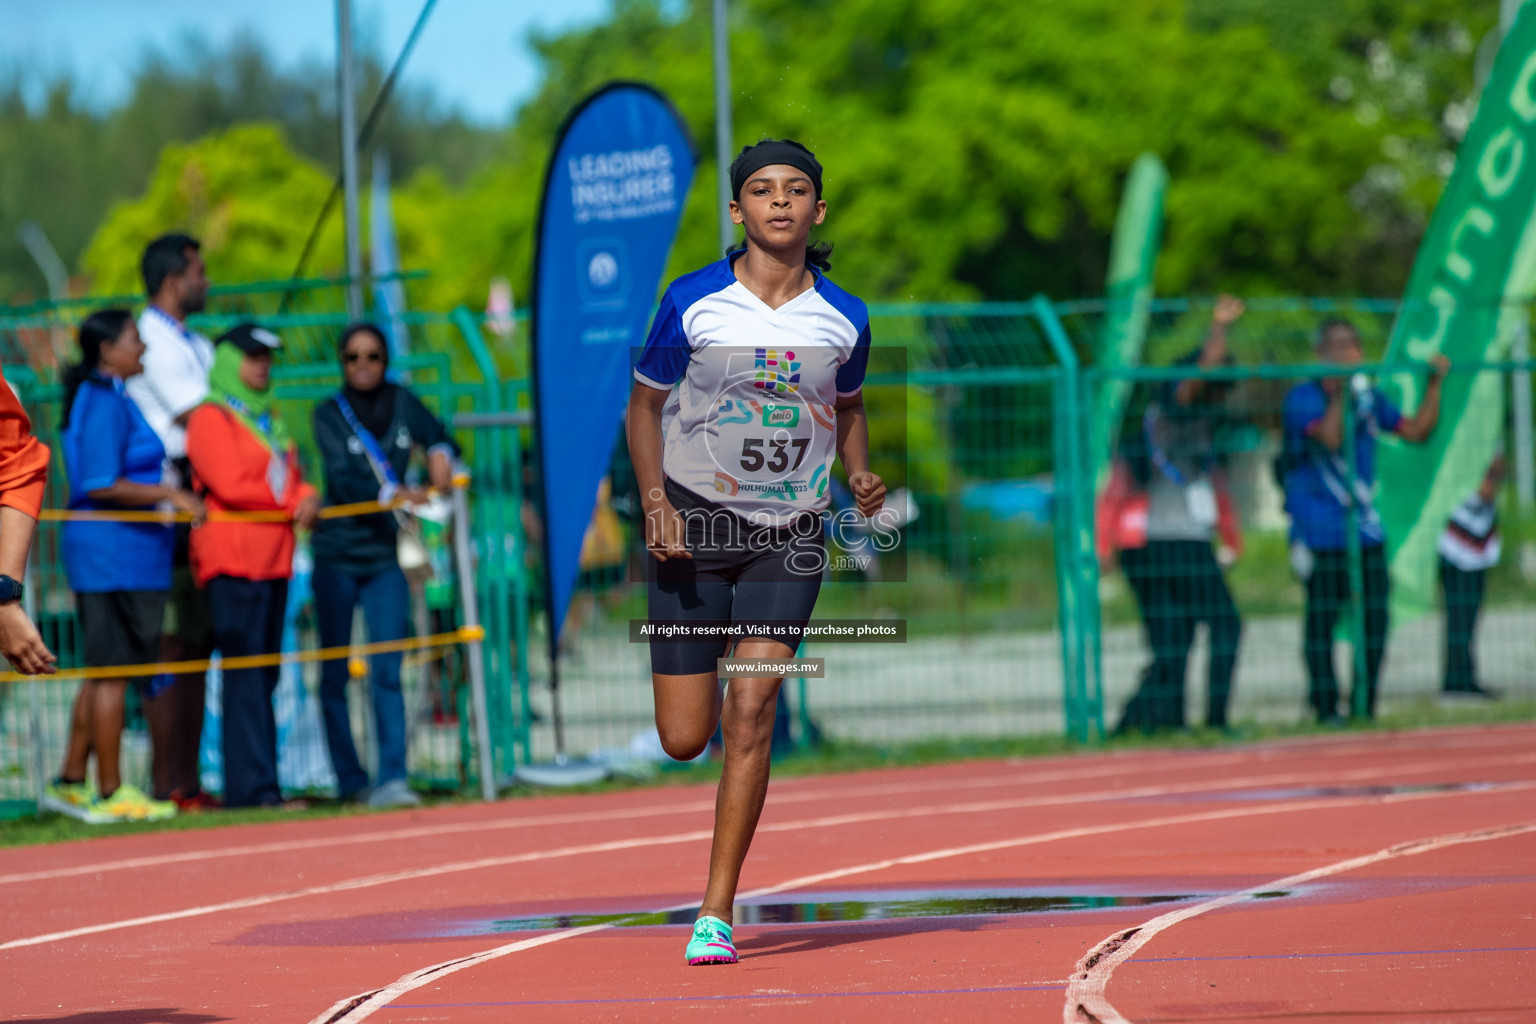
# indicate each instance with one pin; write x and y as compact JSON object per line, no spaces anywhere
{"x":367,"y":434}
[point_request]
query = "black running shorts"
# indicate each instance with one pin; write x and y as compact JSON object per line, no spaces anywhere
{"x":739,"y":574}
{"x":121,"y":627}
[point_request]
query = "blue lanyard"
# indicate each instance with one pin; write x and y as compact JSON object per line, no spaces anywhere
{"x":370,"y":443}
{"x":263,"y":422}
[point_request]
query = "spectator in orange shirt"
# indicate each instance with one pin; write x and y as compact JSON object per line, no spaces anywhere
{"x":244,"y":460}
{"x":23,"y":473}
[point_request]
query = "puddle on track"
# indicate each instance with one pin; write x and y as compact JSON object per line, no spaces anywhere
{"x":865,"y":907}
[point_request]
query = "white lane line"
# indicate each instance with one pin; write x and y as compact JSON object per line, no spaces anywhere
{"x":1141,"y":793}
{"x":364,"y":882}
{"x":775,"y":799}
{"x":829,"y":821}
{"x":354,"y":1009}
{"x":1086,"y":1000}
{"x":383,"y":836}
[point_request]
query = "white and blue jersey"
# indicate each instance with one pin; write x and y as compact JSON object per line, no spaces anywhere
{"x":753,"y":426}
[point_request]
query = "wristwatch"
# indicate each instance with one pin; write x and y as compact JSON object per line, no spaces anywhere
{"x":10,"y":589}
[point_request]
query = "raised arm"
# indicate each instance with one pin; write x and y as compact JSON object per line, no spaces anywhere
{"x":1214,"y":352}
{"x":1418,"y":427}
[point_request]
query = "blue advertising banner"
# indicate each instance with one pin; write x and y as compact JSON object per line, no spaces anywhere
{"x":613,"y":194}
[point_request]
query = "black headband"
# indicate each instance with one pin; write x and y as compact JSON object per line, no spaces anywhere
{"x":765,"y":154}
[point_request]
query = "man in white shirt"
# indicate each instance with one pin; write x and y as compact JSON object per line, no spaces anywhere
{"x":176,"y":360}
{"x":174,"y":382}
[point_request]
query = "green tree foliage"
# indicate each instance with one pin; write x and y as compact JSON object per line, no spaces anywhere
{"x":243,"y":193}
{"x":977,"y":148}
{"x":1404,"y":70}
{"x":65,"y":166}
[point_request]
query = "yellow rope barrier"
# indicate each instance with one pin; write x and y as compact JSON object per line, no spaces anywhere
{"x":464,"y":634}
{"x":356,"y":508}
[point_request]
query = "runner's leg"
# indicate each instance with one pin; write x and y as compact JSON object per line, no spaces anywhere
{"x":747,"y":722}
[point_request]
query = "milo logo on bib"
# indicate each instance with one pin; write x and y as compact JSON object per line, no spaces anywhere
{"x":781,"y":416}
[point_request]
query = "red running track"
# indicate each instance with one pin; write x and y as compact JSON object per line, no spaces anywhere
{"x":1381,"y":877}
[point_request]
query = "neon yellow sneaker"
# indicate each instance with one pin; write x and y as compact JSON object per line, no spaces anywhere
{"x":74,"y":799}
{"x":130,"y":803}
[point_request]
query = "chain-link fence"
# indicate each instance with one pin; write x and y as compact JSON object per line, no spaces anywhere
{"x":1231,"y":589}
{"x":1027,"y":607}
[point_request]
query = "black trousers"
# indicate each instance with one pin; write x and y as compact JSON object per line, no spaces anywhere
{"x":1463,"y":603}
{"x":1328,"y":595}
{"x":248,"y":619}
{"x":1178,"y":584}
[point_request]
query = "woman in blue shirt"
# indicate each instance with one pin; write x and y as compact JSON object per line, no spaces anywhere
{"x":120,"y":571}
{"x":750,"y":382}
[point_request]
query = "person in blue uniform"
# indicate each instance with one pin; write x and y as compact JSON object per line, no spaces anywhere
{"x":1319,"y":499}
{"x":749,"y":384}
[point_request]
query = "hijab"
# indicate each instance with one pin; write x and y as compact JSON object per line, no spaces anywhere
{"x":256,"y":409}
{"x":375,"y":408}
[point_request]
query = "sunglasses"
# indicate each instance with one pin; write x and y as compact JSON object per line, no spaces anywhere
{"x":371,"y":356}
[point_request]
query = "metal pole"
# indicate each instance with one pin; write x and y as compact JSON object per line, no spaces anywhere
{"x":35,"y":692}
{"x":555,"y":711}
{"x":723,"y":135}
{"x":1520,"y":399}
{"x":1359,"y":696}
{"x":1087,"y":553}
{"x":1520,"y":409}
{"x":346,"y":105}
{"x":47,"y":259}
{"x":474,"y":654}
{"x":1507,"y":11}
{"x":1076,"y":567}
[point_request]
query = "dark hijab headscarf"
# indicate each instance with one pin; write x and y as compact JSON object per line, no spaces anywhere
{"x":375,"y":407}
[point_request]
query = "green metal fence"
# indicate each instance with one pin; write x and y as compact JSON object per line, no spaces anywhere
{"x":1270,"y":598}
{"x":980,"y":412}
{"x":455,"y":372}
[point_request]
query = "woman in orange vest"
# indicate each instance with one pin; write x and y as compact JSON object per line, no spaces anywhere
{"x":244,"y":460}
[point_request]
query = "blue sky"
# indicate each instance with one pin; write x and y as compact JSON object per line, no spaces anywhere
{"x":473,"y":53}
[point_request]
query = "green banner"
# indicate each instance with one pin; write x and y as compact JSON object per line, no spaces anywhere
{"x":1132,"y":258}
{"x":1479,"y":253}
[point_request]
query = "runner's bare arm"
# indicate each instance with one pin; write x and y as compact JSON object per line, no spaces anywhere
{"x":853,"y":449}
{"x":642,"y":429}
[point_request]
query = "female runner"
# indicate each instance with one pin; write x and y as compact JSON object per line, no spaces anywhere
{"x":749,"y":383}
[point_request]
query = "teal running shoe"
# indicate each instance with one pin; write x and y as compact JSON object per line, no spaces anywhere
{"x":711,"y":943}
